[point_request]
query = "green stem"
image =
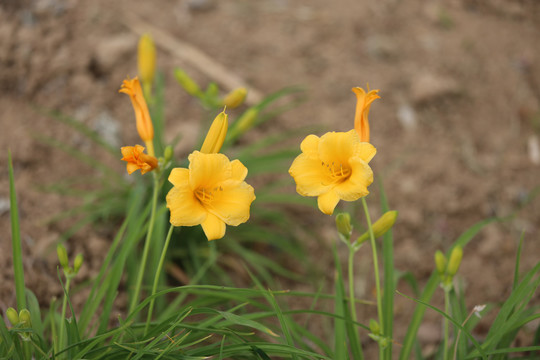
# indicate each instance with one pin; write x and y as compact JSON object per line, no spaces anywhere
{"x":156,"y":278}
{"x":63,"y":318}
{"x":376,"y":269}
{"x":352,"y":300}
{"x":146,"y":249}
{"x":446,"y":323}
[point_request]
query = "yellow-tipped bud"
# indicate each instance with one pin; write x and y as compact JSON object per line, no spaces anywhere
{"x":187,"y":83}
{"x":440,"y":262}
{"x":381,"y":226}
{"x":77,"y":263}
{"x":455,"y":261}
{"x":12,"y":316}
{"x":146,"y":61}
{"x":343,"y":224}
{"x":216,"y":135}
{"x":25,"y":319}
{"x":62,"y":256}
{"x":235,"y":98}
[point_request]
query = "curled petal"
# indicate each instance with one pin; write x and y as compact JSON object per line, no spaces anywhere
{"x":363,"y":103}
{"x":132,"y":87}
{"x":213,"y":227}
{"x":136,"y":159}
{"x":365,"y":151}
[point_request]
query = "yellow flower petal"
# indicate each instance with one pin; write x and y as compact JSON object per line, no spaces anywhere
{"x":310,"y":146}
{"x":213,"y":227}
{"x":185,"y":209}
{"x":309,"y":175}
{"x":207,"y":170}
{"x":327,"y":202}
{"x":232,"y":202}
{"x":356,"y":185}
{"x":337,"y":147}
{"x":179,"y":176}
{"x":239,"y":171}
{"x":365,"y":151}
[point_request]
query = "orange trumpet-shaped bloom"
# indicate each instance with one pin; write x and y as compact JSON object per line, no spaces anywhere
{"x":333,"y":167}
{"x":212,"y":193}
{"x":136,"y":159}
{"x":132,"y":87}
{"x":364,"y":100}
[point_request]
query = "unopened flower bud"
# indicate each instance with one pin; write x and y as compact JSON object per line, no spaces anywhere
{"x":374,"y":327}
{"x":25,"y":318}
{"x":216,"y":135}
{"x":235,"y":98}
{"x":62,"y":256}
{"x":440,"y":262}
{"x":168,"y":153}
{"x":381,"y":226}
{"x":12,"y":316}
{"x":146,"y":61}
{"x":455,"y":261}
{"x":343,"y":224}
{"x":77,"y":263}
{"x":187,"y":83}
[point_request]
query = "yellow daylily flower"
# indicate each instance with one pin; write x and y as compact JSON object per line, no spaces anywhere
{"x":136,"y":159}
{"x":363,"y":104}
{"x":333,"y":167}
{"x":212,"y":193}
{"x":132,"y":87}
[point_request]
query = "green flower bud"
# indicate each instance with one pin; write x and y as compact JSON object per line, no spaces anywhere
{"x":77,"y":263}
{"x":381,"y":226}
{"x":62,"y":256}
{"x":25,"y":318}
{"x":187,"y":83}
{"x":343,"y":224}
{"x":455,"y":261}
{"x":12,"y":316}
{"x":168,"y":153}
{"x":374,"y":327}
{"x":440,"y":262}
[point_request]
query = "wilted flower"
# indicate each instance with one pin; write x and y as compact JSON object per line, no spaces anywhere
{"x":132,"y":87}
{"x":212,"y":193}
{"x":363,"y":103}
{"x":136,"y":159}
{"x":333,"y":167}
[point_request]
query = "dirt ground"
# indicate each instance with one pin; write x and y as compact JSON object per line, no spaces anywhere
{"x":457,"y":129}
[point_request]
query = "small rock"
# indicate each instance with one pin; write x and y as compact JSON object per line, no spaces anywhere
{"x":534,"y":149}
{"x":428,"y":87}
{"x":407,"y":117}
{"x":4,"y":205}
{"x":108,"y":129}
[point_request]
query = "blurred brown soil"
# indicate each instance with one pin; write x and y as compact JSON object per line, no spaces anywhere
{"x":456,"y":130}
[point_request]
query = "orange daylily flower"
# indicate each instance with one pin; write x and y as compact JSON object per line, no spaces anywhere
{"x":136,"y":159}
{"x":212,"y":193}
{"x":333,"y":167}
{"x":132,"y":87}
{"x":364,"y":100}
